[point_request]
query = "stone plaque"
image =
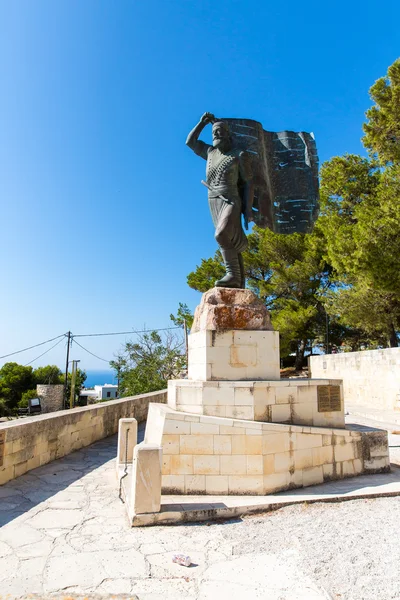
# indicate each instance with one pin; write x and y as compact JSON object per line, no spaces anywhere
{"x":2,"y":440}
{"x":328,"y":398}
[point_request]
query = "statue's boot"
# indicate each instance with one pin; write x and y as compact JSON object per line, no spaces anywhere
{"x":232,"y":278}
{"x":242,"y":275}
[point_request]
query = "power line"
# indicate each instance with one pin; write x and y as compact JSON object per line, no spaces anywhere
{"x":132,"y":332}
{"x":124,"y":332}
{"x":95,"y":355}
{"x":46,"y":351}
{"x":35,"y":346}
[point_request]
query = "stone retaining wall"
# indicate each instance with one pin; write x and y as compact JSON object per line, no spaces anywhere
{"x":34,"y":441}
{"x":370,"y":378}
{"x":220,"y":456}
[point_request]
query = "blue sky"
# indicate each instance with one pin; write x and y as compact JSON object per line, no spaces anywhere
{"x":102,"y":210}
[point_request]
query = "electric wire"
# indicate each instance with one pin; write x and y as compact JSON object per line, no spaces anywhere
{"x":125,"y":332}
{"x":95,"y":355}
{"x":35,"y":346}
{"x":45,"y":352}
{"x":73,"y":336}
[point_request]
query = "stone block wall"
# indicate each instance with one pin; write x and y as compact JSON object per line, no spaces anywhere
{"x":233,"y":355}
{"x":212,"y":455}
{"x":370,"y":378}
{"x":34,"y":441}
{"x":286,"y":401}
{"x":51,"y":397}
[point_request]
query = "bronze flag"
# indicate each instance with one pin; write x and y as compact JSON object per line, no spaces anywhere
{"x":285,"y":170}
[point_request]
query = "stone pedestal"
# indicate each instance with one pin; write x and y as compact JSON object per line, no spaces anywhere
{"x":233,"y":427}
{"x":234,"y":355}
{"x":235,"y":372}
{"x":223,"y":309}
{"x":232,"y":338}
{"x":294,"y":401}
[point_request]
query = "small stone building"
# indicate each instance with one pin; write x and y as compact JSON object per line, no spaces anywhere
{"x":51,"y":397}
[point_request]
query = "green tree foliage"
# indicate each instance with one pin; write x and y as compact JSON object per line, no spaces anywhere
{"x":183,"y":314}
{"x":15,"y":379}
{"x":360,"y":220}
{"x":26,"y":396}
{"x":348,"y":183}
{"x":377,"y":235}
{"x":205,"y":276}
{"x":49,"y":375}
{"x":5,"y":411}
{"x":18,"y":384}
{"x":382,"y":132}
{"x":373,"y":317}
{"x":146,"y":365}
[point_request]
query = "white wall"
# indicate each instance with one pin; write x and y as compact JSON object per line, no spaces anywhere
{"x":113,"y":392}
{"x":370,"y":378}
{"x":102,"y":390}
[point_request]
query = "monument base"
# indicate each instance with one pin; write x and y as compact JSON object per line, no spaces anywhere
{"x":218,"y":456}
{"x":234,"y":428}
{"x":233,"y":355}
{"x":221,"y":309}
{"x":313,"y":402}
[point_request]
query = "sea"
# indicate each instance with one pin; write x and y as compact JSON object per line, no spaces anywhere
{"x":100,"y":378}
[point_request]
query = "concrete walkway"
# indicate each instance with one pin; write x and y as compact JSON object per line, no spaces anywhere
{"x":384,"y":418}
{"x":65,"y":534}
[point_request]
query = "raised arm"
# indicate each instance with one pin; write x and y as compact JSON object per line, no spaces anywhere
{"x":199,"y":147}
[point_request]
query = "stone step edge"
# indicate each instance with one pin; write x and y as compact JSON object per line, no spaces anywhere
{"x":171,"y":517}
{"x":350,"y":429}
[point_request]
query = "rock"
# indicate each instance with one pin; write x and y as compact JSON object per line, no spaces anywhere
{"x":231,"y":308}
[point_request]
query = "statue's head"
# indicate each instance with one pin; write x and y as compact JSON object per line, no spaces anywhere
{"x":221,"y":135}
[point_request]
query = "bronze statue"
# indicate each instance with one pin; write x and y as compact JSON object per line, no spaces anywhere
{"x":270,"y":178}
{"x":230,"y":193}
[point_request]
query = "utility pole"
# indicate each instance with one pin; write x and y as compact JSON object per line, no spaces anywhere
{"x":69,"y":335}
{"x":73,"y":382}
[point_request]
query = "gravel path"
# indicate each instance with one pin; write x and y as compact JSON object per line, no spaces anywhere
{"x":65,"y":533}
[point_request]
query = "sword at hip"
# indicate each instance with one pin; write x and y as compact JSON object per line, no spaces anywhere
{"x":219,"y":195}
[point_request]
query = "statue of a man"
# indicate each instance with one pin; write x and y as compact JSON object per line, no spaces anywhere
{"x":230,"y":193}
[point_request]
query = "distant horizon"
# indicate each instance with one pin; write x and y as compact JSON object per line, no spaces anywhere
{"x":99,"y":377}
{"x":98,"y":370}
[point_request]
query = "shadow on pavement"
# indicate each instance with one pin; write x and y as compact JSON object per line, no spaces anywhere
{"x":354,"y":484}
{"x":26,"y":492}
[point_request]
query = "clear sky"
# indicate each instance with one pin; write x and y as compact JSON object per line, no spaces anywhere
{"x":102,"y":210}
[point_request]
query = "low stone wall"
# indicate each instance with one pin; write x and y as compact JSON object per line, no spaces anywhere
{"x":34,"y":441}
{"x":370,"y":378}
{"x":220,"y":456}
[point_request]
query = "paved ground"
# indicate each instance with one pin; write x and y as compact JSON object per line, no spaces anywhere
{"x":389,"y":419}
{"x":65,"y":533}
